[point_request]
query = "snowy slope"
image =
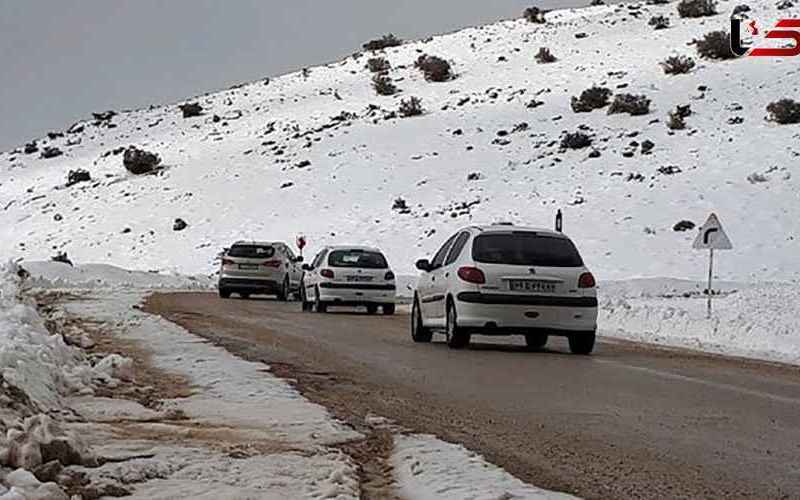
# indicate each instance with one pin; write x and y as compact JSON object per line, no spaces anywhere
{"x":225,"y":178}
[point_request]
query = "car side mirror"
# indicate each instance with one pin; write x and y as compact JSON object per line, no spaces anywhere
{"x":423,"y":265}
{"x":307,"y":267}
{"x":299,"y":258}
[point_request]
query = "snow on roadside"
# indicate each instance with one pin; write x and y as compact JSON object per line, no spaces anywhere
{"x":748,"y":320}
{"x":430,"y":469}
{"x":37,"y":363}
{"x":89,"y":276}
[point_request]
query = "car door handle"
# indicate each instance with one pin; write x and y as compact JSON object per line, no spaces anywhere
{"x":446,"y":275}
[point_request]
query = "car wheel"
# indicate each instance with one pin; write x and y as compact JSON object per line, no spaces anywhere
{"x":388,"y":309}
{"x":535,"y":340}
{"x":283,"y":293}
{"x":372,"y":309}
{"x":319,"y":306}
{"x":307,"y":305}
{"x":457,"y":338}
{"x":245,"y":296}
{"x":582,"y":343}
{"x":225,"y":294}
{"x":418,"y":332}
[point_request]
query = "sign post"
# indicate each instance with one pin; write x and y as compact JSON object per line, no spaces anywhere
{"x":711,"y":237}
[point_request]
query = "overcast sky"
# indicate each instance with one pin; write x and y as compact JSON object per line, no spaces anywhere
{"x":62,"y":59}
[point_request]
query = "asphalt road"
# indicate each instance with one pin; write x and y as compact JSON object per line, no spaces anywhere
{"x":627,"y":422}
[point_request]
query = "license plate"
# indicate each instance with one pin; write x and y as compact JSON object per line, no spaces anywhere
{"x":358,"y":278}
{"x":532,"y":286}
{"x":248,"y":267}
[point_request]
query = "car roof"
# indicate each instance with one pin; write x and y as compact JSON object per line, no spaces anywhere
{"x":258,"y":243}
{"x":354,"y":247}
{"x":504,"y":228}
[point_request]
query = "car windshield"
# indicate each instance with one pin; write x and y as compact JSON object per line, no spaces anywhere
{"x":251,"y":251}
{"x":357,"y":258}
{"x":525,"y":249}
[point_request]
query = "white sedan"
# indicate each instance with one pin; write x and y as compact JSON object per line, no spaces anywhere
{"x":506,"y":280}
{"x":349,"y":276}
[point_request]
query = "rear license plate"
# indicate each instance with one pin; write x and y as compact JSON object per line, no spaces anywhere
{"x":358,"y":278}
{"x":532,"y":286}
{"x":248,"y":267}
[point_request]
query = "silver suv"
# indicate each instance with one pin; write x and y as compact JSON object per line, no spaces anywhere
{"x":257,"y":267}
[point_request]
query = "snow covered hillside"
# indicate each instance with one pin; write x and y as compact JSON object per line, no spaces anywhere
{"x":318,"y":152}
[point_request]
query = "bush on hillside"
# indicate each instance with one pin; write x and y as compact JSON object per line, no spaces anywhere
{"x":715,"y":45}
{"x":383,"y":85}
{"x":79,"y":175}
{"x":677,"y":117}
{"x":675,"y":121}
{"x":434,"y":68}
{"x":138,"y":161}
{"x":534,"y":15}
{"x":411,"y":107}
{"x":677,"y":65}
{"x":697,"y":8}
{"x":784,"y":111}
{"x":634,"y":105}
{"x":591,"y":99}
{"x":385,"y":42}
{"x":740,"y":9}
{"x":378,"y":64}
{"x":576,"y":140}
{"x":191,"y":109}
{"x":659,"y":22}
{"x":545,"y":56}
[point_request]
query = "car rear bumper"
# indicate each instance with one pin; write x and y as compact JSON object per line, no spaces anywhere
{"x":357,"y":293}
{"x":506,"y":313}
{"x":249,"y":284}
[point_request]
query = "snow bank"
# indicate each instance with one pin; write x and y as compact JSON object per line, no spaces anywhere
{"x":749,"y":320}
{"x":90,"y":276}
{"x":429,"y":469}
{"x":39,"y":364}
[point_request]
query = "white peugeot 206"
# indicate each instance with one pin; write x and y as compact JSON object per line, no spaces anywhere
{"x":506,"y":280}
{"x":349,"y":276}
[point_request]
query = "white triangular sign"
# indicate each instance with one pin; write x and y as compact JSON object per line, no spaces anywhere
{"x":712,"y":236}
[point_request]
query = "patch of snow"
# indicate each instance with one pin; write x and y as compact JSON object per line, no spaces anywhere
{"x":749,"y":320}
{"x":427,"y":468}
{"x":47,"y":274}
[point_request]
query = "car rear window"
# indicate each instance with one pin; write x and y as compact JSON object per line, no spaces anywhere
{"x":357,"y":258}
{"x":524,"y":248}
{"x":251,"y":251}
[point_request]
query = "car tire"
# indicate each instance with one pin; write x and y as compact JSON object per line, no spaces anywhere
{"x":319,"y":306}
{"x":582,"y":343}
{"x":388,"y":309}
{"x":372,"y":309}
{"x":536,"y":341}
{"x":245,"y":296}
{"x":419,"y":333}
{"x":225,"y":294}
{"x":283,"y":293}
{"x":307,"y":305}
{"x":457,"y":337}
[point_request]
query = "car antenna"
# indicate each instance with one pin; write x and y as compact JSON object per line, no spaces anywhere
{"x":559,"y":221}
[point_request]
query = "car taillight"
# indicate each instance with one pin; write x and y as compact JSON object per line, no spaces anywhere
{"x":227,"y":262}
{"x":586,"y":281}
{"x":272,"y":263}
{"x":472,"y":275}
{"x":326,"y":273}
{"x":388,"y":276}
